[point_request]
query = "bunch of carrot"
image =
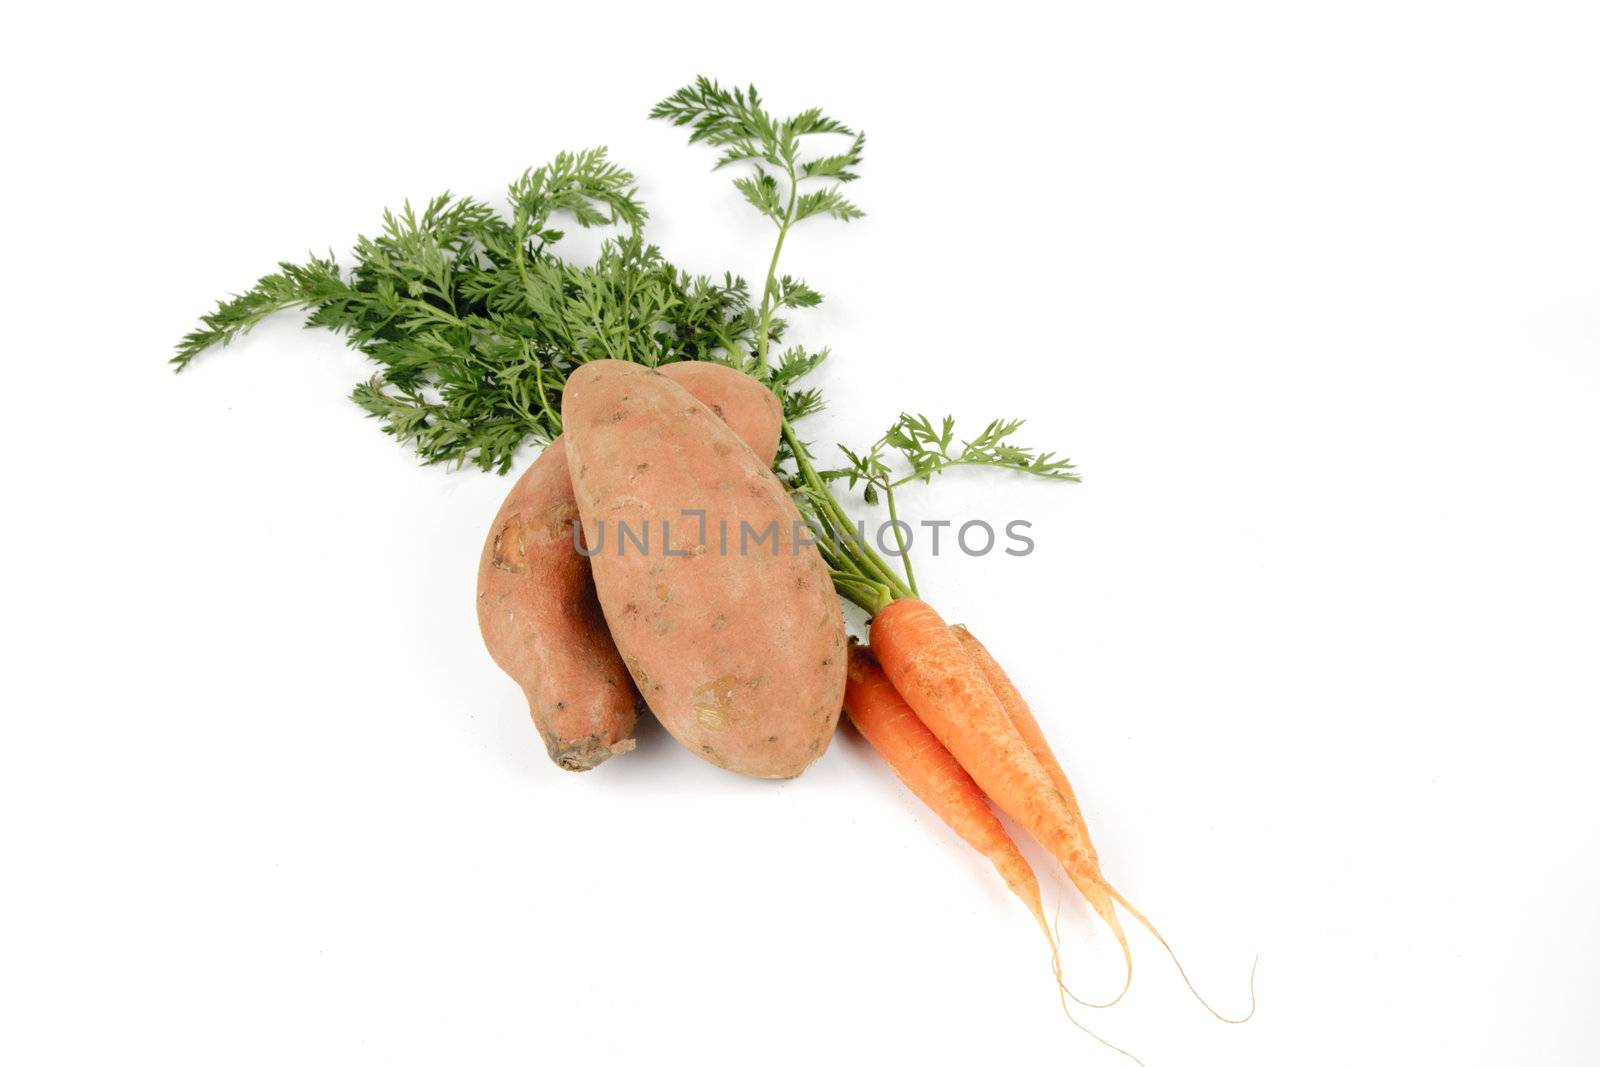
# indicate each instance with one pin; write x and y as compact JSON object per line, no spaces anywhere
{"x":936,"y":705}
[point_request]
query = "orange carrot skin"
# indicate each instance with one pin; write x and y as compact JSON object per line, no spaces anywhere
{"x":927,"y":664}
{"x":928,"y":769}
{"x":1085,"y":870}
{"x":930,"y":667}
{"x":1020,"y":714}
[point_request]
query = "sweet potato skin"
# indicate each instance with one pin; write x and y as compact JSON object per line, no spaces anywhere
{"x":537,"y":608}
{"x":740,"y":654}
{"x":755,"y":415}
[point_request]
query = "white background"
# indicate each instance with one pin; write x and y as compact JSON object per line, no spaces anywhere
{"x":1312,"y":295}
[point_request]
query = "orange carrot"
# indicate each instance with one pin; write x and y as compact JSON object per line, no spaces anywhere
{"x":1018,"y":712}
{"x":928,"y":769}
{"x":929,"y":666}
{"x":1027,"y":728}
{"x":932,"y":773}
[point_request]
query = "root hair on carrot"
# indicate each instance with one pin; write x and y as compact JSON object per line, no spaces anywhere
{"x":1148,"y":925}
{"x":1061,"y":976}
{"x":1062,"y":993}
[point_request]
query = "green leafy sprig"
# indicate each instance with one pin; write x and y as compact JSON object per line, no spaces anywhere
{"x":784,"y":185}
{"x":927,"y":450}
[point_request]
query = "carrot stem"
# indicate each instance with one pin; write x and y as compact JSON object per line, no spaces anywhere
{"x":905,"y":556}
{"x":840,"y":531}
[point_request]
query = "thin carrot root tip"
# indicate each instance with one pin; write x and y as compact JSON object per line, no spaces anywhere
{"x":1148,"y":925}
{"x":1062,"y":993}
{"x":1094,"y":891}
{"x":1127,"y":958}
{"x":1055,"y":935}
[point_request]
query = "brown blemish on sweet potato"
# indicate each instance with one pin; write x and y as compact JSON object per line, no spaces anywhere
{"x":559,"y":519}
{"x":509,"y":552}
{"x":713,"y":702}
{"x":586,"y":753}
{"x":640,"y":678}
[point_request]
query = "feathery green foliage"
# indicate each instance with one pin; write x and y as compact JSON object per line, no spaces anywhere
{"x":735,"y":121}
{"x":475,"y":323}
{"x":928,"y":450}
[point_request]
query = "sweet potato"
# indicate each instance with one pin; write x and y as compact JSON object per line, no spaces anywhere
{"x":737,"y":642}
{"x":537,"y":609}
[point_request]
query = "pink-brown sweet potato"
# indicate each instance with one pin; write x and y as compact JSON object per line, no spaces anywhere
{"x":537,"y":609}
{"x":735,"y":639}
